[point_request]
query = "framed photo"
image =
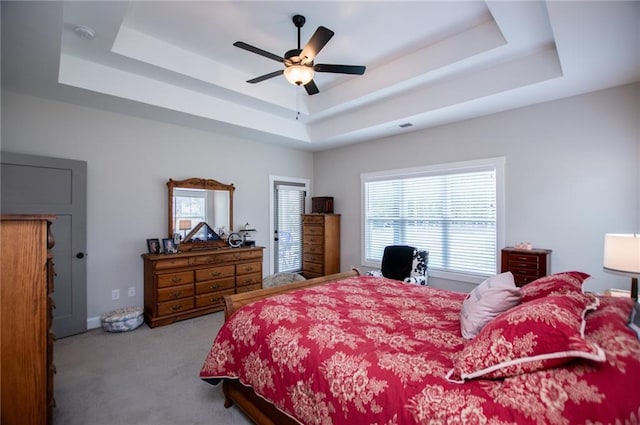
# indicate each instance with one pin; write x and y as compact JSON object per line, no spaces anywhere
{"x":168,"y":246}
{"x":154,"y":246}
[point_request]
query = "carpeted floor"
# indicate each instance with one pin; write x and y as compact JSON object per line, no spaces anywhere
{"x":146,"y":376}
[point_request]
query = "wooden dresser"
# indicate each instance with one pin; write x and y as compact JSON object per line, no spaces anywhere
{"x":526,"y":265}
{"x":320,"y":244}
{"x":190,"y":284}
{"x":26,"y":356}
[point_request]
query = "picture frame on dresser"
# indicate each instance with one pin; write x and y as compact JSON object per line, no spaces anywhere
{"x":153,"y":246}
{"x":168,"y":246}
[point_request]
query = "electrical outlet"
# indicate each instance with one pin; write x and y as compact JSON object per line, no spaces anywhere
{"x":132,"y":291}
{"x":115,"y":294}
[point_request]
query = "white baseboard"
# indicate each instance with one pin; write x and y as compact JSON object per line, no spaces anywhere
{"x":93,"y":323}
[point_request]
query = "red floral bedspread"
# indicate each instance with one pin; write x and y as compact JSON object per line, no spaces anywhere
{"x":369,"y":350}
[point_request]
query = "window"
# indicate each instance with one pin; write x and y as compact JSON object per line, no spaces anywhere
{"x":453,"y":210}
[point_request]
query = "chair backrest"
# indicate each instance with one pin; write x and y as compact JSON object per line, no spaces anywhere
{"x":397,"y":261}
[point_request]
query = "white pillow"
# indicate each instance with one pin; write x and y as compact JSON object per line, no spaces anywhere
{"x":493,"y":296}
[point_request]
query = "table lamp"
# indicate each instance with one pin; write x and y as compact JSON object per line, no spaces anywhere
{"x":184,"y":225}
{"x":622,"y":255}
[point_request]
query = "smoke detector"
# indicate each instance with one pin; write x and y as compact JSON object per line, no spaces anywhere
{"x":84,"y":32}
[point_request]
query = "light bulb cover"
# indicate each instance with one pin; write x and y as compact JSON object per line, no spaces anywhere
{"x":298,"y":75}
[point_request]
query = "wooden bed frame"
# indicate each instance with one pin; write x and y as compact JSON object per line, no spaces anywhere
{"x":259,"y":410}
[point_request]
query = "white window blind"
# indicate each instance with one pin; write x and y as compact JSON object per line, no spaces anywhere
{"x":289,"y":209}
{"x":450,"y":212}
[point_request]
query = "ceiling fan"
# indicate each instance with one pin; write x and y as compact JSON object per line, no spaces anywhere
{"x":299,"y":68}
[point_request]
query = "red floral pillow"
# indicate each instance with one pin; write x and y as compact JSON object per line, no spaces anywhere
{"x":540,"y":334}
{"x":555,"y":284}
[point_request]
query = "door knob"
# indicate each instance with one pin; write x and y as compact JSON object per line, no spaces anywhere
{"x":80,"y":255}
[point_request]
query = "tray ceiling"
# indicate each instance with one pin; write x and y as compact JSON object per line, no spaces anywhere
{"x":428,"y":63}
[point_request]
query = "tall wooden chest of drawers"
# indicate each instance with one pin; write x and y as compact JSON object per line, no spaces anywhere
{"x":190,"y":284}
{"x":26,"y":357}
{"x":526,"y":265}
{"x":320,"y":244}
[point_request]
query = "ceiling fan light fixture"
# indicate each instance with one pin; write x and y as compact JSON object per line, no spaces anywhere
{"x":298,"y":75}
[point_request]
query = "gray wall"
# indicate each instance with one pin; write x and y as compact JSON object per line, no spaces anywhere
{"x":129,"y":161}
{"x":571,"y":174}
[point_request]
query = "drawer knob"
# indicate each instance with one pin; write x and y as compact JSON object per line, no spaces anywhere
{"x":176,"y":307}
{"x":214,"y":286}
{"x":176,"y":294}
{"x":215,"y":274}
{"x":176,"y":279}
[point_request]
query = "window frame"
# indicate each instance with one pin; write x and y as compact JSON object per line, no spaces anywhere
{"x":497,"y":163}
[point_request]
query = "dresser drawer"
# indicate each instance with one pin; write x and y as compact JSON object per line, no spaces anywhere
{"x":523,"y":259}
{"x":243,"y":255}
{"x":314,"y":240}
{"x":215,"y":285}
{"x":311,"y":248}
{"x":214,"y":299}
{"x":175,"y":292}
{"x":248,"y":279}
{"x":225,"y":257}
{"x":177,"y":306}
{"x":171,"y":263}
{"x":249,"y":268}
{"x":214,"y":273}
{"x":523,"y":265}
{"x":313,"y":268}
{"x":313,"y":258}
{"x":312,"y":219}
{"x":313,"y":230}
{"x":524,"y":272}
{"x":173,"y":279}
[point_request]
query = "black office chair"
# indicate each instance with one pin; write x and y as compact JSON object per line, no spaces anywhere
{"x":405,"y":263}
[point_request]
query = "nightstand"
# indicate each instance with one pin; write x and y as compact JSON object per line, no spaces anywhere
{"x":526,"y":265}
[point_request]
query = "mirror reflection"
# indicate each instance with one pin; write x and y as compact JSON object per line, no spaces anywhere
{"x":195,"y":201}
{"x":193,"y":206}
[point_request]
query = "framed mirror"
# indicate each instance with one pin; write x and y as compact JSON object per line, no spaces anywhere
{"x":195,"y":201}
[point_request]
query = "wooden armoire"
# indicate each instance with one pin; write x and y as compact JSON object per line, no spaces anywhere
{"x":26,"y":356}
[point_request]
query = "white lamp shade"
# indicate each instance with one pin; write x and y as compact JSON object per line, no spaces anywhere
{"x":622,"y":253}
{"x":298,"y":74}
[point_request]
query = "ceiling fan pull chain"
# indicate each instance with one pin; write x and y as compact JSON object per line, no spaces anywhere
{"x":298,"y":94}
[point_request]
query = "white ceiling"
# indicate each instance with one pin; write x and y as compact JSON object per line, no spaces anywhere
{"x":428,"y":63}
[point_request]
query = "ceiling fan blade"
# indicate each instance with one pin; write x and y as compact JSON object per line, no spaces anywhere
{"x":266,"y":76}
{"x":258,"y":51}
{"x":315,"y":44}
{"x":340,"y":69}
{"x":311,"y":88}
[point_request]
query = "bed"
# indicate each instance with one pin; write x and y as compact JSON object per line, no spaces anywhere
{"x":350,"y":349}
